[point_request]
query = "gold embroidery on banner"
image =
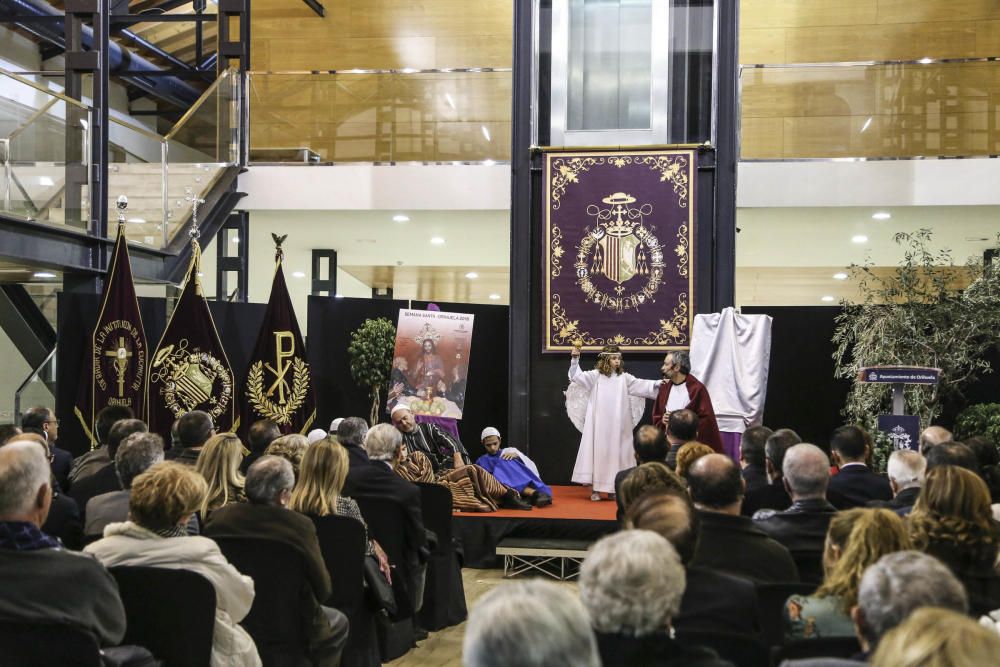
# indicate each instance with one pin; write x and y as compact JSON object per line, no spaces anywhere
{"x":672,"y":168}
{"x":192,"y":380}
{"x":670,"y":332}
{"x":128,"y":349}
{"x":566,"y":171}
{"x":280,"y":412}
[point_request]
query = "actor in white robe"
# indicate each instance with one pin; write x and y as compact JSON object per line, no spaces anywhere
{"x":606,"y":443}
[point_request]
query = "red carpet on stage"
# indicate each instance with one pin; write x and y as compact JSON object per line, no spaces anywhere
{"x":568,"y":502}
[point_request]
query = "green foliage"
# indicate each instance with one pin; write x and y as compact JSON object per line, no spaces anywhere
{"x":371,"y":349}
{"x":918,"y":316}
{"x":979,"y":419}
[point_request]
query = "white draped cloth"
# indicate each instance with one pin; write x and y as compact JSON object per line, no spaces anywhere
{"x":606,"y":443}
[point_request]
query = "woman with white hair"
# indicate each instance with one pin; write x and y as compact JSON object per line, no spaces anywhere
{"x":631,"y":584}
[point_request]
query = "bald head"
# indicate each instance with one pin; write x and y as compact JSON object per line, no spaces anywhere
{"x":25,"y":489}
{"x":806,"y":470}
{"x":933,"y":435}
{"x":716,"y":484}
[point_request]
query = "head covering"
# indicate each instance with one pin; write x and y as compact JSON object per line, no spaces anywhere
{"x":610,"y":349}
{"x":398,"y":407}
{"x":316,"y":435}
{"x":487,"y":432}
{"x":335,"y":424}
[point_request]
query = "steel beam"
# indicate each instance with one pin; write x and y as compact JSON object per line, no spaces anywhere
{"x":238,"y":263}
{"x":316,"y":6}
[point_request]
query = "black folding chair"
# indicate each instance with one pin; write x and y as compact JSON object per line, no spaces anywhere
{"x":342,"y":542}
{"x":770,"y":605}
{"x":820,"y":647}
{"x":444,"y":599}
{"x":810,"y":566}
{"x":24,"y":644}
{"x":170,"y":612}
{"x":740,"y":649}
{"x":275,"y":620}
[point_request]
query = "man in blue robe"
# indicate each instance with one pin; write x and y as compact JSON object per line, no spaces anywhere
{"x":513,"y":468}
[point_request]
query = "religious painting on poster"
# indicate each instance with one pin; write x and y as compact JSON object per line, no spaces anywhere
{"x":430,"y":364}
{"x":619,"y":250}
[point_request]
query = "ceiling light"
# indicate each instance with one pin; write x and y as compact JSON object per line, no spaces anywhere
{"x":471,"y":275}
{"x":236,"y":239}
{"x":437,"y":240}
{"x":925,"y":61}
{"x":45,"y":180}
{"x":867,"y":124}
{"x":486,"y":133}
{"x":298,"y":274}
{"x":400,"y":218}
{"x":826,"y":298}
{"x":138,"y":221}
{"x":489,"y":163}
{"x":840,"y":276}
{"x":43,"y":274}
{"x":338,"y":296}
{"x":494,"y":297}
{"x":859,"y":238}
{"x":881,"y":215}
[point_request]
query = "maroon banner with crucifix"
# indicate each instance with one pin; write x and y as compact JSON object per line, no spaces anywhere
{"x":618,"y":250}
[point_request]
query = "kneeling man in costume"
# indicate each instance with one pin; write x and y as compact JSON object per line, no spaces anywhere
{"x":683,"y":391}
{"x":513,"y":468}
{"x":432,"y":456}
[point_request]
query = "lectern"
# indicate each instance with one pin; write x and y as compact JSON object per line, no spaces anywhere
{"x":898,"y":376}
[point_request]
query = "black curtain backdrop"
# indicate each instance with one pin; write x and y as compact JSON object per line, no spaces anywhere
{"x":331,"y":323}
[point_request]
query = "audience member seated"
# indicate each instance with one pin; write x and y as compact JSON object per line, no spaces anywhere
{"x":106,"y":479}
{"x":688,"y":454}
{"x":855,"y":485}
{"x":335,"y":425}
{"x":988,"y":458}
{"x":136,"y":454}
{"x":7,"y":433}
{"x":933,"y":436}
{"x":41,"y":582}
{"x":752,"y":459}
{"x":951,"y":454}
{"x":937,"y":637}
{"x":648,"y":445}
{"x":291,"y":447}
{"x":713,"y":601}
{"x":514,"y":469}
{"x":906,"y":475}
{"x":530,"y":623}
{"x":160,"y":505}
{"x":652,"y":476}
{"x":219,"y":464}
{"x":43,"y":421}
{"x":268,"y":489}
{"x":631,"y":584}
{"x":192,"y":431}
{"x":350,"y":433}
{"x":261,"y":434}
{"x":953,"y":522}
{"x":315,"y":435}
{"x":774,"y":496}
{"x":856,"y":539}
{"x":433,"y":457}
{"x":682,"y":428}
{"x":87,"y":464}
{"x":63,"y":521}
{"x":802,"y":527}
{"x":729,"y":542}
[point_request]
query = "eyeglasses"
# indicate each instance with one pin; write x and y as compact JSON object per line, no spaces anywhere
{"x":51,"y":421}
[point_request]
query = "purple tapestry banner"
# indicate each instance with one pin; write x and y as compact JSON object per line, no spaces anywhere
{"x":619,"y":239}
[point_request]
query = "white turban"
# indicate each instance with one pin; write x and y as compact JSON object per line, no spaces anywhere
{"x":398,"y":407}
{"x":335,"y":424}
{"x":487,"y":432}
{"x":316,"y":435}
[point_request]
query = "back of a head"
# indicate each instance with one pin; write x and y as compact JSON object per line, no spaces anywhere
{"x":652,"y":476}
{"x":8,"y":431}
{"x":669,"y":514}
{"x":849,"y":442}
{"x":650,"y":444}
{"x":984,"y":449}
{"x":137,"y":454}
{"x":107,"y":417}
{"x":714,"y":481}
{"x":122,"y":429}
{"x":291,"y":447}
{"x":900,"y":583}
{"x":321,"y":478}
{"x":933,"y":436}
{"x":165,"y":494}
{"x":688,"y":454}
{"x":806,"y":469}
{"x":957,"y":494}
{"x":683,"y":425}
{"x":267,"y":478}
{"x":352,"y":431}
{"x":35,"y":417}
{"x":907,"y":468}
{"x":530,"y":623}
{"x":23,"y":471}
{"x":778,"y":444}
{"x":951,"y":454}
{"x":194,"y":428}
{"x":752,"y":444}
{"x":938,"y":638}
{"x":632,"y":582}
{"x":261,"y":434}
{"x":382,"y":442}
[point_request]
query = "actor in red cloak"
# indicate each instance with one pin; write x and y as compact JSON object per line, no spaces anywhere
{"x":676,"y":371}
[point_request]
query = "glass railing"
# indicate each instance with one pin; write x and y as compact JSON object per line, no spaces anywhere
{"x":38,"y":388}
{"x":135,"y":169}
{"x":398,"y":116}
{"x":883,"y":110}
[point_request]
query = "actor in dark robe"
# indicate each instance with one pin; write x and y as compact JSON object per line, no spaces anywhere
{"x":513,"y":468}
{"x":683,"y":391}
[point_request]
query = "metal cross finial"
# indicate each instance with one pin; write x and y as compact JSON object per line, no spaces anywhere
{"x":121,"y":204}
{"x":196,"y":201}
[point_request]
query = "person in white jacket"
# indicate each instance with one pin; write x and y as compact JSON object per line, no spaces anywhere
{"x":162,"y":501}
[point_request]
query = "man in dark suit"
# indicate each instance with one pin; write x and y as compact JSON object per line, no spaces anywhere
{"x":855,"y":485}
{"x":106,"y":479}
{"x":906,"y":476}
{"x":43,"y":421}
{"x":802,"y":527}
{"x":752,"y":457}
{"x":682,"y":428}
{"x":730,"y":542}
{"x":89,"y":463}
{"x":268,"y":488}
{"x":952,"y":454}
{"x":649,"y":444}
{"x":261,"y":434}
{"x":773,"y":496}
{"x":193,"y":430}
{"x":351,"y":434}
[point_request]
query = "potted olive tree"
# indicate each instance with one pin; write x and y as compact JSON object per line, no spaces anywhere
{"x":371,"y":348}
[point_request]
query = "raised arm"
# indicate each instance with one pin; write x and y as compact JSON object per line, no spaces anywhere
{"x":583,"y":378}
{"x":643,"y":388}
